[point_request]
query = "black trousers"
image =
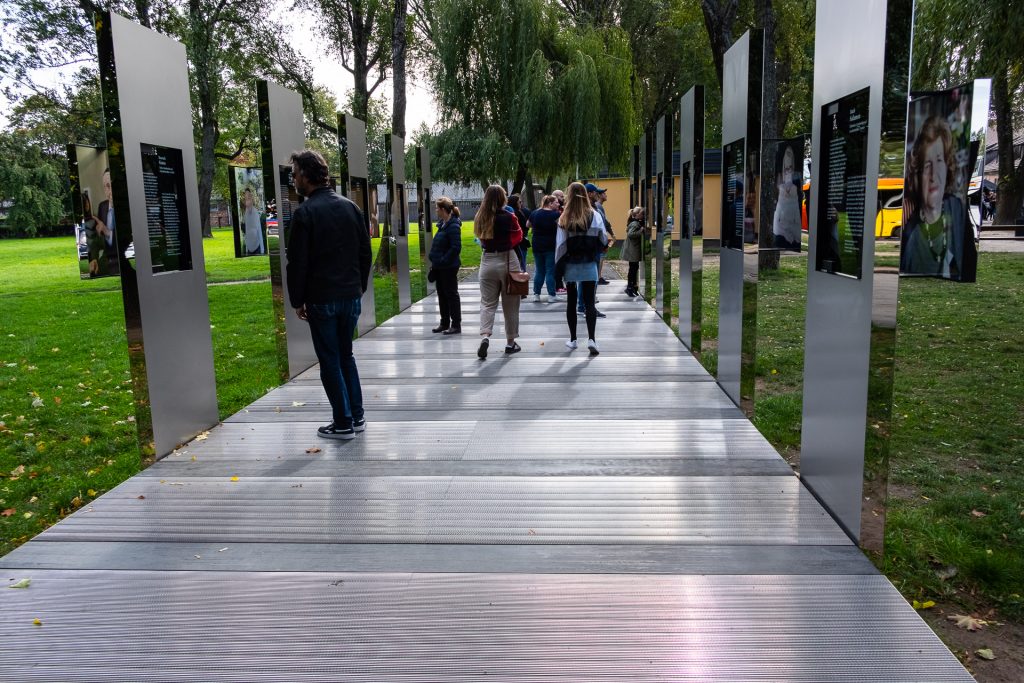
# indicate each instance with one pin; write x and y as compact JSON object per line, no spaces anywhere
{"x":448,"y":301}
{"x":633,"y":276}
{"x":589,"y":290}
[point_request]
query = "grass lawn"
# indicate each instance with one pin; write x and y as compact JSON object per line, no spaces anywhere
{"x":66,"y":423}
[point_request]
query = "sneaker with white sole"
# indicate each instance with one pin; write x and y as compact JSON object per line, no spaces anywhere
{"x":553,"y":299}
{"x":572,"y":345}
{"x":359,"y":425}
{"x":592,"y":345}
{"x":536,"y":297}
{"x":333,"y":432}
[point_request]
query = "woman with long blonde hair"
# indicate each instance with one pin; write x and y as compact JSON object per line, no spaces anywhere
{"x":499,"y":232}
{"x":580,"y":241}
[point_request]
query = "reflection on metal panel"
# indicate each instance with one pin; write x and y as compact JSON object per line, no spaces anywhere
{"x":850,"y":340}
{"x":741,"y":129}
{"x":282,"y":132}
{"x":665,"y":187}
{"x":398,"y":207}
{"x":690,"y":215}
{"x":424,"y":219}
{"x":658,"y":217}
{"x":167,"y":314}
{"x":352,"y":141}
{"x":650,"y":213}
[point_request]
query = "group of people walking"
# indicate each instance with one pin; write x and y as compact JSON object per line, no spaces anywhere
{"x":329,"y":262}
{"x":570,"y":235}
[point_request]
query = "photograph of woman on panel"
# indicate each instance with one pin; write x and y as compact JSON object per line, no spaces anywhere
{"x":937,"y":238}
{"x":250,"y":210}
{"x":788,"y":187}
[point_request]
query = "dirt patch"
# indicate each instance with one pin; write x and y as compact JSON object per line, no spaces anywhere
{"x":1006,"y":640}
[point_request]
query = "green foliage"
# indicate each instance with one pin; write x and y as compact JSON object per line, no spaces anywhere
{"x":32,"y":182}
{"x":526,"y":91}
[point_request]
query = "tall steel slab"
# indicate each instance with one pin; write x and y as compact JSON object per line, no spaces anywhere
{"x":851,"y":319}
{"x":425,"y":217}
{"x":151,"y":152}
{"x":399,"y":216}
{"x":355,"y":185}
{"x":662,"y":178}
{"x":282,"y":131}
{"x":690,"y":214}
{"x":650,"y":213}
{"x":667,"y":211}
{"x":741,"y":153}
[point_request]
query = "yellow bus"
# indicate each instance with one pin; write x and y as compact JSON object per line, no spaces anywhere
{"x":889,"y":220}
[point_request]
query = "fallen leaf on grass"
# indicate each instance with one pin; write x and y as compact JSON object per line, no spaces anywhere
{"x":313,"y":450}
{"x":18,"y":471}
{"x":968,"y":622}
{"x":946,"y":573}
{"x":24,"y":583}
{"x":37,"y":403}
{"x":927,"y":604}
{"x":91,"y":493}
{"x":985,"y":653}
{"x":978,"y":513}
{"x":28,"y":515}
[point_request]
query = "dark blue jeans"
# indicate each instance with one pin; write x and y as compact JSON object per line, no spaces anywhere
{"x":544,"y":262}
{"x":333,"y":325}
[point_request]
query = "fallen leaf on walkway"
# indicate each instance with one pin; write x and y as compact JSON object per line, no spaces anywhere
{"x":313,"y":450}
{"x":222,"y":550}
{"x":968,"y":622}
{"x":531,"y":532}
{"x":141,"y":497}
{"x":298,"y":404}
{"x":927,"y":604}
{"x":202,"y":436}
{"x":985,"y":653}
{"x":24,"y":583}
{"x":234,"y":478}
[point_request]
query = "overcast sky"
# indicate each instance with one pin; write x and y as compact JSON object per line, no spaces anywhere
{"x":327,"y":71}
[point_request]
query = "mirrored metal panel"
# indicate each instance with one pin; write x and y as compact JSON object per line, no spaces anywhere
{"x":355,"y":183}
{"x":282,"y":131}
{"x":650,"y":211}
{"x":741,"y":173}
{"x":661,"y":180}
{"x":154,"y":205}
{"x":425,"y":217}
{"x":690,"y":212}
{"x":851,"y":321}
{"x":398,"y":201}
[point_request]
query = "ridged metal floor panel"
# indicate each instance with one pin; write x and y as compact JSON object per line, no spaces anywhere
{"x":499,"y":510}
{"x":545,"y":516}
{"x":202,"y":626}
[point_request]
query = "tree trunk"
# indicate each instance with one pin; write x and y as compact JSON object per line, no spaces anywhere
{"x":398,"y":45}
{"x":1011,"y":180}
{"x":549,"y":185}
{"x":207,"y":165}
{"x":768,"y":259}
{"x":142,"y":8}
{"x":719,"y":17}
{"x":520,"y":180}
{"x":530,"y":196}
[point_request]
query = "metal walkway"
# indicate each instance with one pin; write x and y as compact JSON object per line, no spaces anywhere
{"x":545,"y":516}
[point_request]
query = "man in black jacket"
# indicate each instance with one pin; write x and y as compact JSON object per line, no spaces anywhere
{"x":328,"y":270}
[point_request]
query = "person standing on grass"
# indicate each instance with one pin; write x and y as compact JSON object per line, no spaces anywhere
{"x":581,"y":239}
{"x":445,"y":262}
{"x":499,"y":232}
{"x":328,"y":270}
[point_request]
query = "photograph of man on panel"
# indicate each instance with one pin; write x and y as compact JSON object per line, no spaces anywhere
{"x":329,"y":262}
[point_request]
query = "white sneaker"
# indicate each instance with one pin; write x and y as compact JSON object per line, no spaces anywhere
{"x":592,"y":345}
{"x":536,"y":297}
{"x":572,"y":345}
{"x":553,"y":299}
